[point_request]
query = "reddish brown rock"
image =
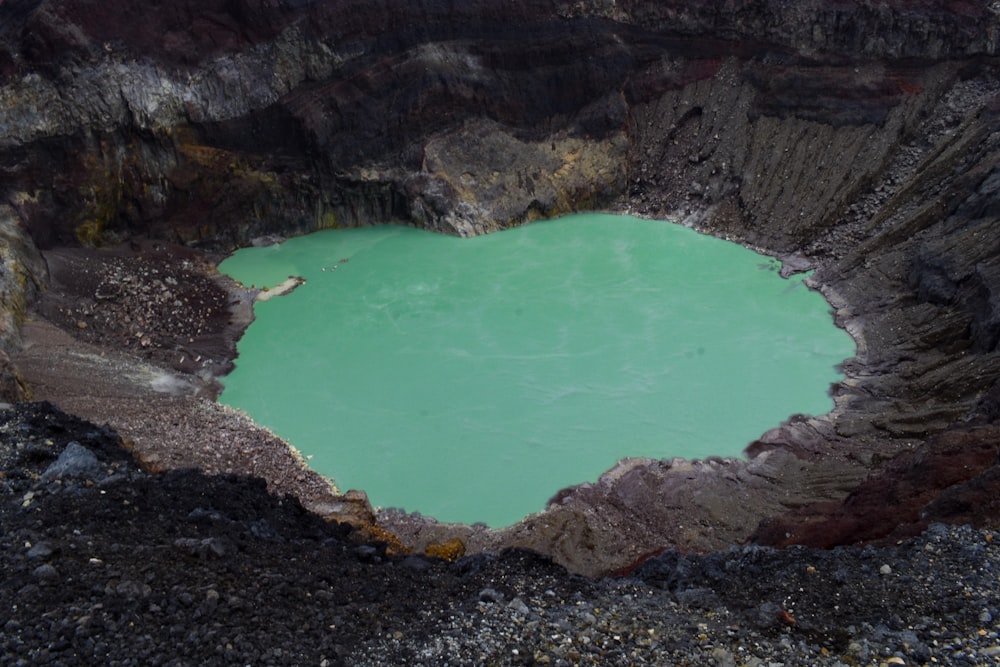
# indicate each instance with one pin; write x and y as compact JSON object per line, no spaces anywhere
{"x":953,"y":478}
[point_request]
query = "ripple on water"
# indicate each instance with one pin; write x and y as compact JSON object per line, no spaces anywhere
{"x":471,"y":379}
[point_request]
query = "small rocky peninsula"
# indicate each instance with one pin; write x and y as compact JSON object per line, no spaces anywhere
{"x":142,"y":523}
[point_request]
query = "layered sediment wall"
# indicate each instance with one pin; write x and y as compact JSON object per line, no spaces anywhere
{"x":857,"y":138}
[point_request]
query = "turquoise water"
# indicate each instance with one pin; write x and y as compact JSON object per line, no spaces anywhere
{"x":471,"y":379}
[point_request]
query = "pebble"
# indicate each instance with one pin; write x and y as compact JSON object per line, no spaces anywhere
{"x":490,"y":595}
{"x":40,"y":551}
{"x":211,"y":582}
{"x":518,"y":606}
{"x":643,"y":623}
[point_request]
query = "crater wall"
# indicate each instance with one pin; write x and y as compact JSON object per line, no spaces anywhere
{"x":858,"y":139}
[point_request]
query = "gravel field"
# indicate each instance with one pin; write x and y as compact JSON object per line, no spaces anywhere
{"x":106,"y":564}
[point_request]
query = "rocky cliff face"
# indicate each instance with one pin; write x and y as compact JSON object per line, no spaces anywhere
{"x":311,"y":114}
{"x":858,"y":138}
{"x":22,"y":275}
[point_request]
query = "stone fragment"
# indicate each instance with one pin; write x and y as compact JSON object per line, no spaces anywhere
{"x":490,"y":595}
{"x":205,"y":549}
{"x":518,"y":606}
{"x":368,"y":553}
{"x":132,"y":589}
{"x":418,"y":563}
{"x":40,"y":551}
{"x":76,"y":462}
{"x":211,"y":600}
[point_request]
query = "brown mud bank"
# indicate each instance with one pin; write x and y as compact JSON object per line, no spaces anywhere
{"x":860,"y":139}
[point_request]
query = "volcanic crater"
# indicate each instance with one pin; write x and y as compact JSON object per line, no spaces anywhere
{"x":856,"y":139}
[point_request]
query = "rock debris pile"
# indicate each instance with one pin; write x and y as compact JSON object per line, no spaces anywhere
{"x":106,"y":564}
{"x":165,"y":310}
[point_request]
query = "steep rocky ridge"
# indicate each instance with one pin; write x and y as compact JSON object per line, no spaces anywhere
{"x":22,"y":275}
{"x":856,"y":138}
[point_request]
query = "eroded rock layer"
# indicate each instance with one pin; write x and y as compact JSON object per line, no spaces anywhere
{"x":856,"y":138}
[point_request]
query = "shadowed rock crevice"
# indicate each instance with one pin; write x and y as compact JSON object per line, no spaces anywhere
{"x":859,"y":139}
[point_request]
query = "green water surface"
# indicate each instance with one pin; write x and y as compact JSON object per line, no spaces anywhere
{"x":471,"y":379}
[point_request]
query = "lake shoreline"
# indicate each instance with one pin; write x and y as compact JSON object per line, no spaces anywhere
{"x":603,"y":335}
{"x":706,"y":505}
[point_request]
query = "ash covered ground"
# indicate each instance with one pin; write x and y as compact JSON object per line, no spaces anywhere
{"x":104,"y":563}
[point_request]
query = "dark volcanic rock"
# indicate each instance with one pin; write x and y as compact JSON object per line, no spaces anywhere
{"x":186,"y":568}
{"x":223,"y":121}
{"x":76,"y":461}
{"x":859,"y":138}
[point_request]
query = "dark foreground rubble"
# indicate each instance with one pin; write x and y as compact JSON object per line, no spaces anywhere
{"x":103,"y":563}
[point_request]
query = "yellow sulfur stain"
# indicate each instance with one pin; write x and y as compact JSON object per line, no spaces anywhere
{"x":450,"y":551}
